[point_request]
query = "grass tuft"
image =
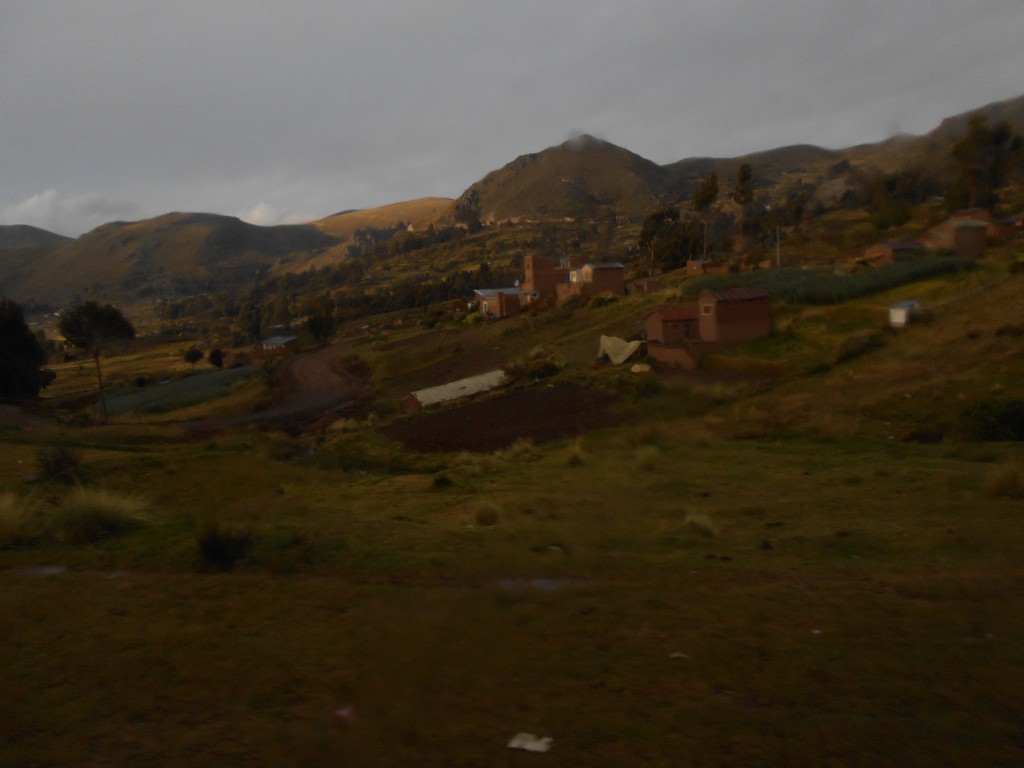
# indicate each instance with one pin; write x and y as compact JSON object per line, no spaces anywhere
{"x":486,"y":514}
{"x":89,"y":515}
{"x":702,"y":524}
{"x":18,"y":526}
{"x":1006,"y":481}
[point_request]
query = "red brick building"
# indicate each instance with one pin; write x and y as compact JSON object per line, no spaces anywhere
{"x":542,"y":276}
{"x":739,"y":314}
{"x":883,"y":254}
{"x":672,"y":326}
{"x":497,"y":302}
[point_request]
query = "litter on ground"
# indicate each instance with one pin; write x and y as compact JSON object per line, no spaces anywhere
{"x":530,"y":743}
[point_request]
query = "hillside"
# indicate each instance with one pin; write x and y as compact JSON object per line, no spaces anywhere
{"x":584,"y":179}
{"x":174,"y":253}
{"x":25,"y":236}
{"x":577,"y":179}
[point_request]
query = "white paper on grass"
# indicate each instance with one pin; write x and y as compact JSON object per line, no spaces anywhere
{"x":530,"y":743}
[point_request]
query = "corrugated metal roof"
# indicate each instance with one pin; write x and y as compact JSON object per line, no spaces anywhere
{"x":461,"y":388}
{"x":490,"y":293}
{"x":740,"y":294}
{"x":278,"y":341}
{"x":677,"y":314}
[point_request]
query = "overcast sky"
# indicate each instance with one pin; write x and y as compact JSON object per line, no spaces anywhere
{"x":279,"y":112}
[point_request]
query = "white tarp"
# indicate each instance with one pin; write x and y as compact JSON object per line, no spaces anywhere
{"x":530,"y":743}
{"x":617,"y":350}
{"x":461,"y":388}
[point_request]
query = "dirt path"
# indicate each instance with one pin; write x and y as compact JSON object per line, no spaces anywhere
{"x":314,"y":383}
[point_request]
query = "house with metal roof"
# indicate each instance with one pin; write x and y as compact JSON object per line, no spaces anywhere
{"x":497,"y":302}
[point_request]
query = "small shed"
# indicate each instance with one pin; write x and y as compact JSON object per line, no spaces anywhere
{"x":902,"y":313}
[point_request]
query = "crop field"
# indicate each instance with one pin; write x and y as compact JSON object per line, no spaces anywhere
{"x":808,"y":554}
{"x":172,"y":396}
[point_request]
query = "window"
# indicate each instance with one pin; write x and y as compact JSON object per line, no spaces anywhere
{"x":705,"y":309}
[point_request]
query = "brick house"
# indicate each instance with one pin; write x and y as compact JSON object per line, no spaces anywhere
{"x":275,"y":346}
{"x":739,"y":314}
{"x":964,"y":233}
{"x":681,"y":336}
{"x":883,"y":254}
{"x":542,"y":276}
{"x":593,"y":279}
{"x":672,"y":326}
{"x":497,"y":302}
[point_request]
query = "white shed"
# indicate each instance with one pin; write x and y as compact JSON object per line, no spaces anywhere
{"x":902,"y":312}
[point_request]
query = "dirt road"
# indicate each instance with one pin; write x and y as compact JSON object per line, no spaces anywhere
{"x":313,"y":383}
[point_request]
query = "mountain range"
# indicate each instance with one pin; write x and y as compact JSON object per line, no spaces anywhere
{"x":582,"y":179}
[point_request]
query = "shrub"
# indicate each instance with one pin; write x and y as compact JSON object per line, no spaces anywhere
{"x":1005,"y":481}
{"x":220,"y":548}
{"x":522,"y":449}
{"x":486,"y":514}
{"x":60,"y":464}
{"x":89,"y":515}
{"x":441,"y":480}
{"x":993,"y":419}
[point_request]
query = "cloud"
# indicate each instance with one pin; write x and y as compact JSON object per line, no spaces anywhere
{"x":66,"y":215}
{"x":265,"y":215}
{"x":261,"y":215}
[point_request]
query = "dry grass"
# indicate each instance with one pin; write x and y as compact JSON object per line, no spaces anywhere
{"x":1006,"y":481}
{"x":19,"y":524}
{"x":89,"y":515}
{"x":701,"y":524}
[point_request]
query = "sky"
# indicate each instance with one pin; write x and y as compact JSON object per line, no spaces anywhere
{"x":284,"y":112}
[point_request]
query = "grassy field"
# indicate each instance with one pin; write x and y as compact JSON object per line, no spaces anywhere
{"x":737,"y":574}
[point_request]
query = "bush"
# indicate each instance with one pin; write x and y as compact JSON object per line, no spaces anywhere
{"x":993,"y":419}
{"x":60,"y":464}
{"x":441,"y":480}
{"x":220,"y":549}
{"x":89,"y":515}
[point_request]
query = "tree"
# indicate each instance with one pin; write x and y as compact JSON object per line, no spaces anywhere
{"x":21,"y":355}
{"x":743,"y":193}
{"x":666,"y":240}
{"x":703,"y":198}
{"x":321,"y":324}
{"x":706,"y":194}
{"x":216,"y":357}
{"x":193,"y":355}
{"x":983,"y":157}
{"x":90,"y":326}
